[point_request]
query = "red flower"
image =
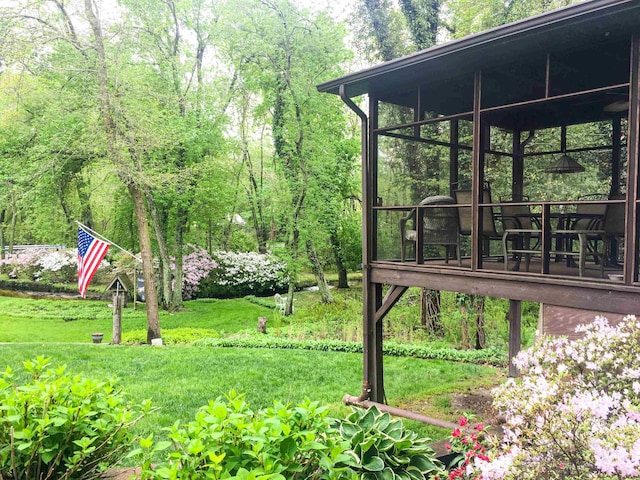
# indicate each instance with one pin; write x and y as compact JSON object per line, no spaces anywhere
{"x":463,"y":421}
{"x":448,"y":446}
{"x":456,"y":433}
{"x":479,"y":427}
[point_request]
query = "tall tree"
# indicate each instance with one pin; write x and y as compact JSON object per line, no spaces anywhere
{"x":290,"y":51}
{"x":419,"y":21}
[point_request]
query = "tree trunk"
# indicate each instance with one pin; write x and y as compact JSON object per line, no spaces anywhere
{"x":150,"y":293}
{"x":3,"y":214}
{"x":151,"y":296}
{"x":430,"y":311}
{"x":343,"y":281}
{"x":181,"y":221}
{"x":295,"y":242}
{"x":481,"y":338}
{"x":85,"y":204}
{"x":12,"y":228}
{"x":325,"y":294}
{"x":165,"y":261}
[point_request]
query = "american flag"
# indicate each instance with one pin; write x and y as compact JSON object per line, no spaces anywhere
{"x":91,"y":251}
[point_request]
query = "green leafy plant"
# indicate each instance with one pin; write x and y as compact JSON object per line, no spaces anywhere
{"x":229,"y":440}
{"x":381,"y":448}
{"x":59,"y":426}
{"x":488,"y":356}
{"x":172,"y":336}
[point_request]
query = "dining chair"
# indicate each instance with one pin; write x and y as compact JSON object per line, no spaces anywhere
{"x":489,"y":231}
{"x":520,"y":227}
{"x":588,"y":230}
{"x":440,"y":227}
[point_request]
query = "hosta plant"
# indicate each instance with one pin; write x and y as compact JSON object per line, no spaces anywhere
{"x":380,"y":448}
{"x":56,"y":426}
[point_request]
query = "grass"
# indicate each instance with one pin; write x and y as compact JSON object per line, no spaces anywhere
{"x":181,"y":379}
{"x":40,"y":320}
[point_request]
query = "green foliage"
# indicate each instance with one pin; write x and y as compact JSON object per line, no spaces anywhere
{"x":59,"y":426}
{"x":172,"y":336}
{"x":489,"y":356}
{"x":381,"y":448}
{"x":229,"y":440}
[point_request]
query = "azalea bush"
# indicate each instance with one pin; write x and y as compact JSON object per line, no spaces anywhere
{"x":46,"y":265}
{"x":240,"y":274}
{"x":575,"y":413}
{"x":196,"y":266}
{"x":21,"y":263}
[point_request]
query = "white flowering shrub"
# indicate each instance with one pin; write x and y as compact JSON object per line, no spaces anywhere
{"x":575,"y":413}
{"x":24,"y":263}
{"x":55,"y":266}
{"x":240,"y":274}
{"x":58,"y":266}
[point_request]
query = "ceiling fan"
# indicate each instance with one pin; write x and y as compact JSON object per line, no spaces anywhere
{"x":617,"y":106}
{"x":620,"y":105}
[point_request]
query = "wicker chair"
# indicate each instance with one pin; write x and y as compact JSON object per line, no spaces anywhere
{"x":440,"y":227}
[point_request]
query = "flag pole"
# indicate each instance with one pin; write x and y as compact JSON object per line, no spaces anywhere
{"x":93,"y":232}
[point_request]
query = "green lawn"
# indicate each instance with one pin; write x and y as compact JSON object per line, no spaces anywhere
{"x":179,"y":379}
{"x":31,"y":320}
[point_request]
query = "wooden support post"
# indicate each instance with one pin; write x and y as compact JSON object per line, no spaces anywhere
{"x":515,"y":323}
{"x":117,"y":317}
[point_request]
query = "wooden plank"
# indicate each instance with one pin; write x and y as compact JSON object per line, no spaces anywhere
{"x":630,"y":244}
{"x":515,"y":333}
{"x":390,"y":299}
{"x":572,"y":293}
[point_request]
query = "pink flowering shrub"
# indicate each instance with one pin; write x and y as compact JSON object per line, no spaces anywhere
{"x":575,"y":413}
{"x":24,"y":263}
{"x":468,"y":446}
{"x":196,"y":265}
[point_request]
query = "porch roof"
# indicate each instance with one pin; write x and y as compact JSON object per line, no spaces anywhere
{"x":593,"y":22}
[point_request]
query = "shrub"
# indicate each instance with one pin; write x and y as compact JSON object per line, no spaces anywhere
{"x":466,"y":447}
{"x":59,"y":426}
{"x":486,"y":356}
{"x":229,"y":440}
{"x":172,"y":336}
{"x":196,"y":266}
{"x":575,"y":412}
{"x":59,"y":266}
{"x":51,"y":266}
{"x":381,"y":448}
{"x":240,"y":274}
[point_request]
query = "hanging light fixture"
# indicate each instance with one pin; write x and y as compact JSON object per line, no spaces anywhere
{"x":565,"y":164}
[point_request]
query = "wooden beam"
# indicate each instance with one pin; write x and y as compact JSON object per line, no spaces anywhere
{"x":476,"y":175}
{"x":390,"y":299}
{"x":557,"y":291}
{"x":631,"y":242}
{"x":454,"y":154}
{"x":515,"y":335}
